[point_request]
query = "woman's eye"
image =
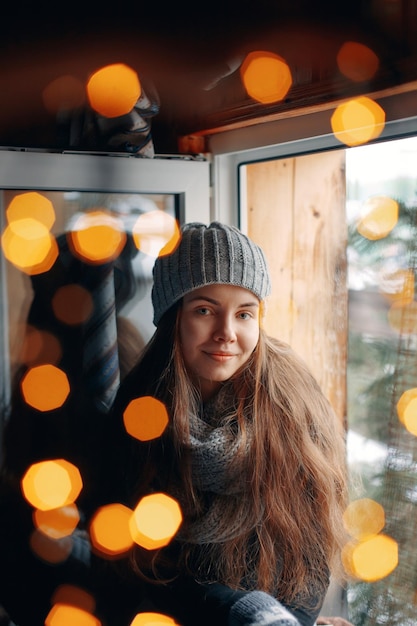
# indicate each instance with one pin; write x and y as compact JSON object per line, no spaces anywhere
{"x":244,"y":315}
{"x":203,"y":310}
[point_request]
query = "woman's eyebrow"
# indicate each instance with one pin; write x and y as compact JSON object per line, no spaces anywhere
{"x":252,"y":303}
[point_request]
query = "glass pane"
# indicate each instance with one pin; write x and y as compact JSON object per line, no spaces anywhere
{"x":132,"y":271}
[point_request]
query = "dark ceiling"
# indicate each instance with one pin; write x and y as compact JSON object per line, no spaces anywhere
{"x":187,"y":57}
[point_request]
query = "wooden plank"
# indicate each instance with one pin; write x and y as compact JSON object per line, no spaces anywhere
{"x":296,"y":212}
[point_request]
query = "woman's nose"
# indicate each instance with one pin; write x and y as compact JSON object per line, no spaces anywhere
{"x":225,"y":330}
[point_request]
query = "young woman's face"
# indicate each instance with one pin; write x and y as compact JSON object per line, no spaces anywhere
{"x":219,"y":330}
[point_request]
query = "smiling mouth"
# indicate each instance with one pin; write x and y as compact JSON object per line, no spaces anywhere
{"x":220,"y":356}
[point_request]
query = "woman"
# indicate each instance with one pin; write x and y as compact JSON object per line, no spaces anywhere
{"x":253,"y":451}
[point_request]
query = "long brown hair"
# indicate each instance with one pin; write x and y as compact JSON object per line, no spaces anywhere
{"x":289,"y":514}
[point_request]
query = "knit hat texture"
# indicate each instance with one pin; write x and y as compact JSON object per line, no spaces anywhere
{"x":208,"y":255}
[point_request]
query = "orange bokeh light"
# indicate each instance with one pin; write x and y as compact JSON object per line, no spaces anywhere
{"x":45,"y":387}
{"x":51,"y":484}
{"x":28,"y":244}
{"x":266,"y":76}
{"x":97,"y":237}
{"x":407,"y":410}
{"x":358,"y":121}
{"x":114,"y":90}
{"x":364,"y":518}
{"x":31,"y":205}
{"x":145,"y":418}
{"x":109,"y":529}
{"x":402,"y":317}
{"x":155,"y":521}
{"x":398,"y":286}
{"x":72,"y":304}
{"x":152,"y":619}
{"x":50,"y":550}
{"x":40,"y":346}
{"x":357,"y":62}
{"x":156,"y":233}
{"x":57,"y":523}
{"x":75,"y":596}
{"x":374,"y":558}
{"x":68,"y":615}
{"x":65,"y":93}
{"x":379,"y":217}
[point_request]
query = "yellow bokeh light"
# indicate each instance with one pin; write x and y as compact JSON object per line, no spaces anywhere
{"x":57,"y":523}
{"x":407,"y":410}
{"x":51,"y":484}
{"x":40,"y":346}
{"x":156,"y":233}
{"x":109,"y":529}
{"x":364,"y":518}
{"x":97,"y":237}
{"x":379,"y":217}
{"x":72,"y":304}
{"x":145,"y":418}
{"x":265,"y":76}
{"x":374,"y":558}
{"x":155,"y":521}
{"x":32,"y":205}
{"x":45,"y":387}
{"x":152,"y":619}
{"x":403,"y":317}
{"x":398,"y":286}
{"x":114,"y":90}
{"x":28,"y":244}
{"x":68,"y":615}
{"x":358,"y":121}
{"x":357,"y":62}
{"x":50,"y":550}
{"x":65,"y":93}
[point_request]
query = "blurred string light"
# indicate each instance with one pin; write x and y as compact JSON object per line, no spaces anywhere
{"x":26,"y":241}
{"x":357,"y":62}
{"x":109,"y":530}
{"x":379,"y":216}
{"x":59,"y":522}
{"x":156,"y":233}
{"x":398,"y":286}
{"x":364,"y":518}
{"x":64,"y":94}
{"x":45,"y":387}
{"x":358,"y":121}
{"x":266,"y":76}
{"x":152,"y":619}
{"x":372,"y":559}
{"x":402,"y":317}
{"x":155,"y":521}
{"x":75,"y":596}
{"x":145,"y":418}
{"x":72,"y":304}
{"x":31,"y":205}
{"x":407,"y":410}
{"x":370,"y":555}
{"x":68,"y":615}
{"x":47,"y":485}
{"x":97,"y":237}
{"x":40,"y":346}
{"x":28,"y":244}
{"x":49,"y":550}
{"x":114,"y":90}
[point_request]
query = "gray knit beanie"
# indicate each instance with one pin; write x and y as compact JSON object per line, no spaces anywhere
{"x":208,"y":255}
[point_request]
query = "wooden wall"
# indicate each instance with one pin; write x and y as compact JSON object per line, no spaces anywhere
{"x":296,"y":212}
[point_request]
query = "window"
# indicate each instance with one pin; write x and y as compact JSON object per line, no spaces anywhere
{"x":345,"y":301}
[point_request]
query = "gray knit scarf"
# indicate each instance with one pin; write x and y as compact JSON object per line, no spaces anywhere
{"x":214,"y":445}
